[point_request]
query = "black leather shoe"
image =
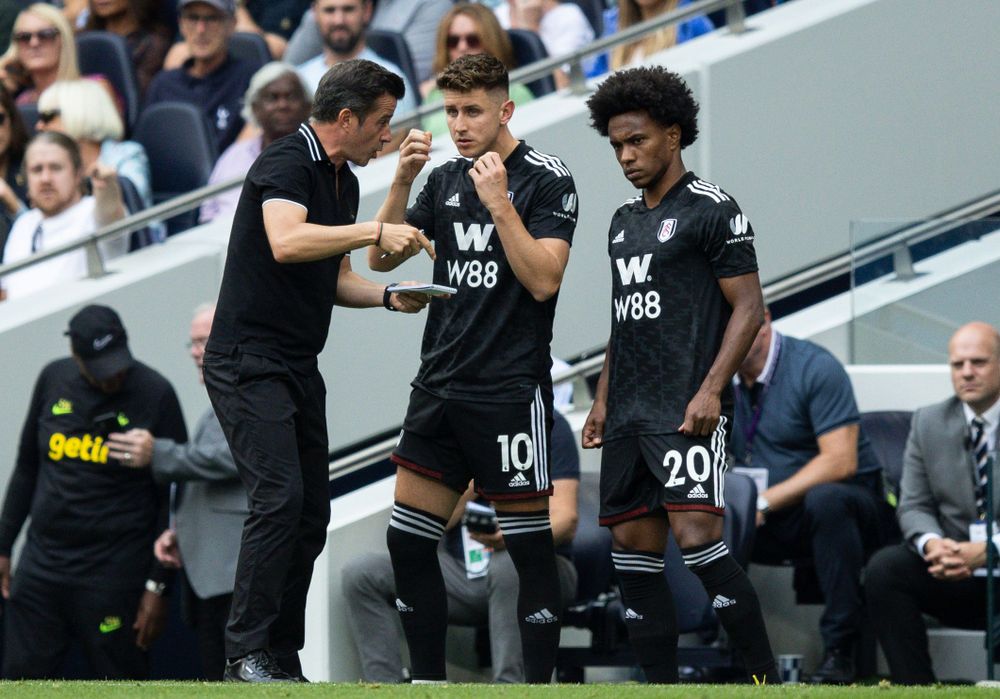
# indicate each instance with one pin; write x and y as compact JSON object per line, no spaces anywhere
{"x":837,"y":668}
{"x":256,"y":666}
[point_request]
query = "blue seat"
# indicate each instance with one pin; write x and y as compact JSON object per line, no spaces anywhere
{"x":133,"y":202}
{"x":107,"y":54}
{"x":249,"y":47}
{"x":528,"y":48}
{"x":393,"y":47}
{"x":178,"y":164}
{"x":594,"y":12}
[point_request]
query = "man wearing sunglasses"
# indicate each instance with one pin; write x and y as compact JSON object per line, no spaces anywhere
{"x":210,"y":78}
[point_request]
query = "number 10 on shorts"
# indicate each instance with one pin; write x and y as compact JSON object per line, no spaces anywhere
{"x":517,"y":450}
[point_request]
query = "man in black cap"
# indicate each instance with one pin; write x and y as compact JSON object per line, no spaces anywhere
{"x":87,"y":570}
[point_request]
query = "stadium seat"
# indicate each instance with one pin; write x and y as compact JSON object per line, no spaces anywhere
{"x":107,"y":54}
{"x":393,"y":47}
{"x":181,"y":151}
{"x":603,"y":613}
{"x":133,"y":202}
{"x":528,"y":48}
{"x":29,"y":115}
{"x":249,"y":47}
{"x":594,"y":11}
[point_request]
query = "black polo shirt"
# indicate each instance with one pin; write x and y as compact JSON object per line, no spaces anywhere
{"x":282,"y":310}
{"x":219,"y":95}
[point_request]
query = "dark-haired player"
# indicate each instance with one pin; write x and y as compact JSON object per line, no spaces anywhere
{"x":686,"y":306}
{"x":501,"y":216}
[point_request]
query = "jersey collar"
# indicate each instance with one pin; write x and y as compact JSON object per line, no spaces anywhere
{"x":312,"y":143}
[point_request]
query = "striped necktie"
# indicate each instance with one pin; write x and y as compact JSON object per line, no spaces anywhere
{"x":981,"y":457}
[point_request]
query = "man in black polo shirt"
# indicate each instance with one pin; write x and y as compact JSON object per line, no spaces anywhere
{"x":502,"y":217}
{"x":686,"y":306}
{"x":286,"y":268}
{"x":210,"y":78}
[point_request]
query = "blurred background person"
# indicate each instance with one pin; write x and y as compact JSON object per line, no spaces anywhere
{"x":42,"y":50}
{"x":631,"y":12}
{"x":13,"y":140}
{"x":562,"y":26}
{"x":61,"y":214}
{"x":276,"y":102}
{"x":468,"y":29}
{"x":82,"y":110}
{"x":138,"y":22}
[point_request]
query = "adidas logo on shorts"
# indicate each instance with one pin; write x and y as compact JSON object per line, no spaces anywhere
{"x":543,"y":616}
{"x":632,"y":614}
{"x":519,"y":480}
{"x":401,"y":606}
{"x":721,"y":601}
{"x":452,"y":200}
{"x":697,"y":492}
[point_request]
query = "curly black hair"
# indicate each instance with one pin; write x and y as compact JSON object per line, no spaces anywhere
{"x":655,"y":90}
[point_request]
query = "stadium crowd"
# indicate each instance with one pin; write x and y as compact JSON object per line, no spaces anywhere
{"x":97,"y":569}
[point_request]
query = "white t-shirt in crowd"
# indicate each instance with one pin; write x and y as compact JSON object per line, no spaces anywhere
{"x":72,"y":224}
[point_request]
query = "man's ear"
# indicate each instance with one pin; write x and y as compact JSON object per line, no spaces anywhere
{"x":506,"y":111}
{"x":344,"y":117}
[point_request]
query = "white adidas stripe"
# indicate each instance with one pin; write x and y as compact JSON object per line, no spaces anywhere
{"x":719,"y":462}
{"x":707,"y":556}
{"x":547,"y":161}
{"x":709,"y":190}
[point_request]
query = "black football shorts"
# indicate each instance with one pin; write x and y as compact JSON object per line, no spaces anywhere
{"x":645,"y":473}
{"x":503,"y":446}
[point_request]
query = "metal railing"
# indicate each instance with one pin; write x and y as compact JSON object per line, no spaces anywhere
{"x":95,"y":263}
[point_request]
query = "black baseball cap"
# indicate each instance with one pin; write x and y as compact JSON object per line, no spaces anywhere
{"x":98,"y":338}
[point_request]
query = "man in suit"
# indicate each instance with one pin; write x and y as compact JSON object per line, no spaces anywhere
{"x":941,"y":512}
{"x":205,"y":537}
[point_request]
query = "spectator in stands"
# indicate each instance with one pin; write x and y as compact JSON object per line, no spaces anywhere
{"x":41,"y":52}
{"x":342,"y":24}
{"x":797,"y":424}
{"x":476,"y":596}
{"x":276,"y":102}
{"x":631,"y":12}
{"x":562,"y":26}
{"x":13,"y":140}
{"x":136,"y":21}
{"x":61,"y":214}
{"x":468,"y":29}
{"x":204,"y":539}
{"x":210,"y":78}
{"x":416,"y":21}
{"x":82,"y":110}
{"x":86,"y":570}
{"x":942,"y":512}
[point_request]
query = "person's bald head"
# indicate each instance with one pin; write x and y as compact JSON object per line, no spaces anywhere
{"x":974,"y":358}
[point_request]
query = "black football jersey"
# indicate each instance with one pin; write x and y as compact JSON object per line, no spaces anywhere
{"x":490,"y":341}
{"x":668,"y":314}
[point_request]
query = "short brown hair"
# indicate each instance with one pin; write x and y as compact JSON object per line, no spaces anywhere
{"x":469,"y":73}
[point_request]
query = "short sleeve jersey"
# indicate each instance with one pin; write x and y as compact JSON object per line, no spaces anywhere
{"x":93,"y":522}
{"x":489,"y":342}
{"x":668,"y":313}
{"x":808,"y":395}
{"x":282,"y":310}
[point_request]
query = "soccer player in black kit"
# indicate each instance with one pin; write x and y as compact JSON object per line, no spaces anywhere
{"x":502,"y":217}
{"x":686,"y":306}
{"x":287,"y":265}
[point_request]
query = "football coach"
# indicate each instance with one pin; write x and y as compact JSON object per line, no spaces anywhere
{"x":286,"y":267}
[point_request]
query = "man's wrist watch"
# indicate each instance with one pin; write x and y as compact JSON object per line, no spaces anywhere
{"x":763,"y":505}
{"x":387,"y":299}
{"x":157,"y":588}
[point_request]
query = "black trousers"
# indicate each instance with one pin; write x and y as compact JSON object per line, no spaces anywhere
{"x":838,"y":526}
{"x":274,"y":419}
{"x":208,"y":617}
{"x":43,"y":618}
{"x":899,"y":591}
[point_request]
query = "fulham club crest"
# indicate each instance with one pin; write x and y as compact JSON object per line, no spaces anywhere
{"x":667,"y":228}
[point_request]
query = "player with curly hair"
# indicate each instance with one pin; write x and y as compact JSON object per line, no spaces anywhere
{"x":686,"y":306}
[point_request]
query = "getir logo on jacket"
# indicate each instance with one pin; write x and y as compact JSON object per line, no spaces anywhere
{"x":86,"y":448}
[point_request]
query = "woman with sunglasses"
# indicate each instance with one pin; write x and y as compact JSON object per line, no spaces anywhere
{"x":13,"y":140}
{"x":467,"y":29}
{"x":42,"y":50}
